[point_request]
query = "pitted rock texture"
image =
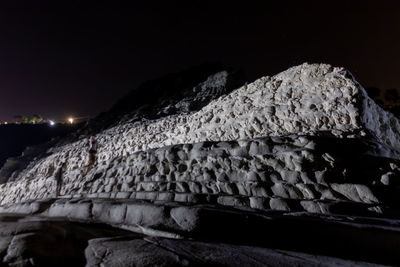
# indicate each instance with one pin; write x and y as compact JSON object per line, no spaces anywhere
{"x":179,"y":93}
{"x":291,"y":173}
{"x":305,"y":100}
{"x":144,"y":157}
{"x":302,"y":161}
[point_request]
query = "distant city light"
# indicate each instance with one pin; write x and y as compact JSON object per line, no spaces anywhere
{"x":5,"y":122}
{"x":52,"y":123}
{"x":71,"y":120}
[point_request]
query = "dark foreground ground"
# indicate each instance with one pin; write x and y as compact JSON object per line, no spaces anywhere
{"x":94,"y":232}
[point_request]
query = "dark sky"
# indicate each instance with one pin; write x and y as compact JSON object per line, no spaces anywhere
{"x":60,"y":58}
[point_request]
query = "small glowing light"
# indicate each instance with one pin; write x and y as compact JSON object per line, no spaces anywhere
{"x":52,"y":123}
{"x":5,"y":122}
{"x":71,"y":120}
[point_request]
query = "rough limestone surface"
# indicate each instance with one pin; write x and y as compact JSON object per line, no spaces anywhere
{"x":307,"y":100}
{"x":271,"y":155}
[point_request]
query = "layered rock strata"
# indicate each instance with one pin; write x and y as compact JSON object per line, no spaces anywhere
{"x":290,"y":173}
{"x":226,"y":152}
{"x":302,"y":161}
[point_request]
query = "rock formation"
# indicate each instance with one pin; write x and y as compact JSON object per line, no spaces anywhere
{"x":306,"y":147}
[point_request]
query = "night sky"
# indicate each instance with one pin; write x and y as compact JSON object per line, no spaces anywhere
{"x":79,"y":57}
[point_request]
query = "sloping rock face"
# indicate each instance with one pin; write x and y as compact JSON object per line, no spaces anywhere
{"x":306,"y":141}
{"x":177,"y":93}
{"x":220,"y":146}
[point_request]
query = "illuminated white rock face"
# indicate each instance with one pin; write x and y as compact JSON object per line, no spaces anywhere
{"x":306,"y":140}
{"x":310,"y":99}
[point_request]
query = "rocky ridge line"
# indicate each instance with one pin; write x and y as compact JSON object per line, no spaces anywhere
{"x":316,"y":100}
{"x":302,"y":161}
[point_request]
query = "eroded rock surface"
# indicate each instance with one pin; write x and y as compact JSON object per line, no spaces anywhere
{"x":258,"y":160}
{"x":293,"y":173}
